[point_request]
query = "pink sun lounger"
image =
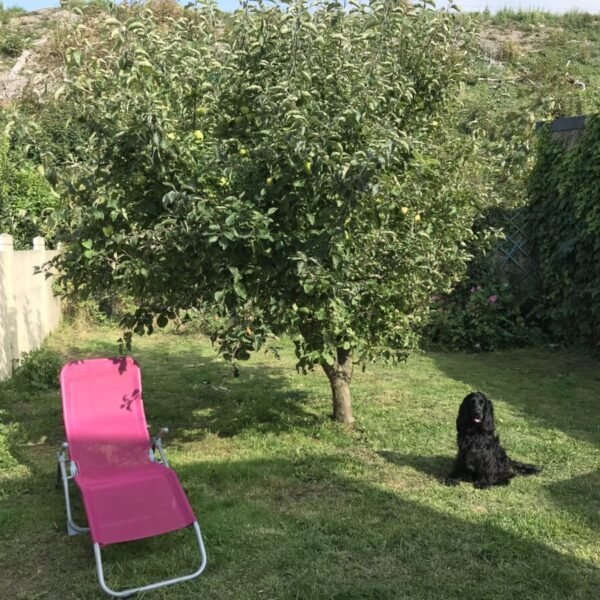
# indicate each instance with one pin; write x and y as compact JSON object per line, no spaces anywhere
{"x":128,"y":490}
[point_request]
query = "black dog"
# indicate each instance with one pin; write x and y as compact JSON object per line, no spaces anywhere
{"x":481,"y":459}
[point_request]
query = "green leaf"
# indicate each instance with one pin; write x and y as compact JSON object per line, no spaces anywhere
{"x":240,"y":290}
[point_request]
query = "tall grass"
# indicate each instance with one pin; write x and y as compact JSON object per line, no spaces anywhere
{"x":525,"y":19}
{"x":11,"y":11}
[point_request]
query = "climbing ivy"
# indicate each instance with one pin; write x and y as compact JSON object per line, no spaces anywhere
{"x":564,"y":224}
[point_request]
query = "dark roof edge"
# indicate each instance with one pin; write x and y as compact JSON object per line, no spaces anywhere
{"x":564,"y":123}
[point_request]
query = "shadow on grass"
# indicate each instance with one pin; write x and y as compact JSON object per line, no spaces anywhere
{"x":192,"y":394}
{"x":287,"y":527}
{"x":434,"y":466}
{"x":579,"y":497}
{"x":301,"y":529}
{"x":195,"y":394}
{"x":559,"y":390}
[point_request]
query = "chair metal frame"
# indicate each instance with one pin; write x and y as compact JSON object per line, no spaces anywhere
{"x":157,"y":454}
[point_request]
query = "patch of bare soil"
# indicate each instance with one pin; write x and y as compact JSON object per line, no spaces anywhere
{"x":499,"y":45}
{"x":29,"y":68}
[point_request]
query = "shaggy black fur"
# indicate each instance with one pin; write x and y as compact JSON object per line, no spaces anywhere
{"x":481,"y":459}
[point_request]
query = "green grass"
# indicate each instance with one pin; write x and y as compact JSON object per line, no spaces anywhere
{"x":573,"y":19}
{"x":10,"y":11}
{"x":294,"y":506}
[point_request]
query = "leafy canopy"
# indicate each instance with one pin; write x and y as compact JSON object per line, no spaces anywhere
{"x":292,"y":169}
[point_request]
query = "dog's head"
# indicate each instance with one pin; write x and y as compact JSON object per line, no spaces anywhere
{"x":476,"y":413}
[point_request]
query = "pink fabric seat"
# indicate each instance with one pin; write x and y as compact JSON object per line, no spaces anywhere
{"x":126,"y":495}
{"x":134,"y":503}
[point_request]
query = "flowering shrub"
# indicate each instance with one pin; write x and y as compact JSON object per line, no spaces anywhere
{"x":478,"y":317}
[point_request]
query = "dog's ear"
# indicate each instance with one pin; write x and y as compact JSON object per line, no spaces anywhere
{"x":464,"y":414}
{"x":488,"y":415}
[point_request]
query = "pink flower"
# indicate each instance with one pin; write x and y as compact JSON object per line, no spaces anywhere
{"x":475,"y":289}
{"x":492,"y":299}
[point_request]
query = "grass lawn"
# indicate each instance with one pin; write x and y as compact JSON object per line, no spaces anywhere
{"x":294,"y":506}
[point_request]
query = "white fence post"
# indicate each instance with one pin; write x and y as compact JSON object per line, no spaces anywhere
{"x":8,"y":323}
{"x":39,"y":243}
{"x":29,"y":311}
{"x":39,"y":247}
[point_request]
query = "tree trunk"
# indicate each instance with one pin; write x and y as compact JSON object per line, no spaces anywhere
{"x":339,"y":375}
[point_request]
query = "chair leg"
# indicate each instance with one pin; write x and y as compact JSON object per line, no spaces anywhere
{"x":158,"y":584}
{"x":72,"y":527}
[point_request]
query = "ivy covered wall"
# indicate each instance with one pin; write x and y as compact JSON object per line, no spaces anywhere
{"x":564,"y":225}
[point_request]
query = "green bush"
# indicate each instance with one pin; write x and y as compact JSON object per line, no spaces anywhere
{"x":12,"y":43}
{"x":7,"y":13}
{"x":98,"y":310}
{"x":39,"y":369}
{"x":477,"y":317}
{"x":26,"y":198}
{"x":492,"y":307}
{"x":49,"y":133}
{"x":7,"y":460}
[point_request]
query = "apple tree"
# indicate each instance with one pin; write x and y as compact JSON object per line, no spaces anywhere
{"x":289,"y":170}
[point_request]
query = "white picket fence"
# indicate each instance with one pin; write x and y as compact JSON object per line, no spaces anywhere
{"x":29,"y":311}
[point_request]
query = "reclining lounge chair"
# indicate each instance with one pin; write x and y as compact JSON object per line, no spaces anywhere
{"x":128,"y":490}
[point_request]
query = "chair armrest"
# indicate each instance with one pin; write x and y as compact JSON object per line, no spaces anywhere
{"x":163,"y":431}
{"x":157,"y":445}
{"x":63,"y":454}
{"x":63,"y":457}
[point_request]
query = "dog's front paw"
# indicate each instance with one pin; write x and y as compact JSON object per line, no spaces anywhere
{"x":451,"y":481}
{"x":482,"y":485}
